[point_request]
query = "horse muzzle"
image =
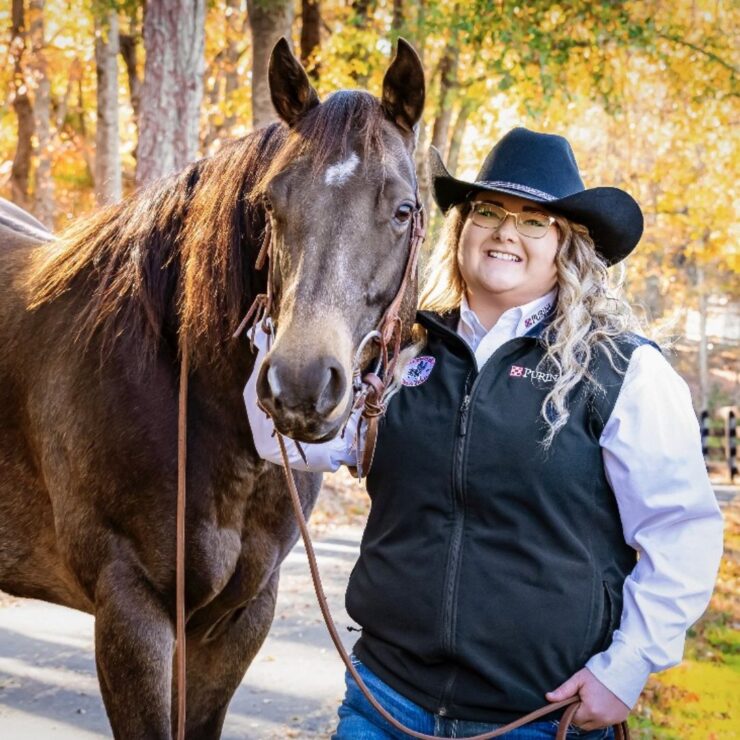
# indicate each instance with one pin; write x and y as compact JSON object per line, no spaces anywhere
{"x":307,"y":401}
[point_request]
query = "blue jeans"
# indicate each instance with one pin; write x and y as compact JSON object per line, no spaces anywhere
{"x":359,"y":721}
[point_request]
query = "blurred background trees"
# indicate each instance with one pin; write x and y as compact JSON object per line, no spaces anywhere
{"x":101,"y":95}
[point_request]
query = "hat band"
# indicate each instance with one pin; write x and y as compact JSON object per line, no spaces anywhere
{"x":516,"y":186}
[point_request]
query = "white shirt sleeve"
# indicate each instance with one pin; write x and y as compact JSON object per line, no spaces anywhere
{"x":320,"y":458}
{"x":651,"y":449}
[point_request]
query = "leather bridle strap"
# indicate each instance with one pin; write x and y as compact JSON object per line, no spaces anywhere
{"x":389,"y":322}
{"x":390,"y":329}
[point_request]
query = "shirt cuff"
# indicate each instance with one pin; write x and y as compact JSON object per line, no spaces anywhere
{"x":622,"y":670}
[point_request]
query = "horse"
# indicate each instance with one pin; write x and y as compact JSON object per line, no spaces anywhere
{"x":93,"y":325}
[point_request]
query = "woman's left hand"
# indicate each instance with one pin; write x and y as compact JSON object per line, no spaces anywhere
{"x":599,"y":707}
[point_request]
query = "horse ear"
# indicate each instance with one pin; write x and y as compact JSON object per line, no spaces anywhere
{"x":403,"y":87}
{"x":291,"y":92}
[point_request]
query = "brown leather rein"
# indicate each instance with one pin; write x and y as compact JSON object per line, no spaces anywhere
{"x":388,"y":334}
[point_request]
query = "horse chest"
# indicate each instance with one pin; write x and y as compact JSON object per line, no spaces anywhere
{"x":212,"y":556}
{"x":231,"y":565}
{"x":231,"y":571}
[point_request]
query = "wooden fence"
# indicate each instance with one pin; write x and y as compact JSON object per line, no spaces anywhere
{"x":719,"y":440}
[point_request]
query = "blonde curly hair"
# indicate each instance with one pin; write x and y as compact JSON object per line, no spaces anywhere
{"x":590,"y":314}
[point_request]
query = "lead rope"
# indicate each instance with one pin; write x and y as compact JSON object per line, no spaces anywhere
{"x":182,"y":456}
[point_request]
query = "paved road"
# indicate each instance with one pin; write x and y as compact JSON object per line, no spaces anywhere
{"x":48,"y":687}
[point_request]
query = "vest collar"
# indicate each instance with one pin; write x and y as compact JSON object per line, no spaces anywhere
{"x":448,"y":321}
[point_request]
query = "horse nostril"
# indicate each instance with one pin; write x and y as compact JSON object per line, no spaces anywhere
{"x":333,"y":390}
{"x":267,"y":388}
{"x":316,"y":388}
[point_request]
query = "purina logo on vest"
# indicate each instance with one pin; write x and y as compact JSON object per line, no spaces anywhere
{"x":517,"y":371}
{"x":418,"y":370}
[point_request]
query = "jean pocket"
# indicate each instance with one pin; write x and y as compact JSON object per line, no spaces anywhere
{"x":579,"y":734}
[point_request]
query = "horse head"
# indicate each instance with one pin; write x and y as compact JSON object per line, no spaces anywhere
{"x":341,"y":198}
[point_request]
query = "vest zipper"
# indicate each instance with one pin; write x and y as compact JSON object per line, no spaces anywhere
{"x":464,"y":415}
{"x":447,"y":693}
{"x":453,"y":559}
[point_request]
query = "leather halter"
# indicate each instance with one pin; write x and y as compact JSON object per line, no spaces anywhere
{"x":389,"y":334}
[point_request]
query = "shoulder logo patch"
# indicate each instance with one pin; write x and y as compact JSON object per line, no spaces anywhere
{"x":418,"y":370}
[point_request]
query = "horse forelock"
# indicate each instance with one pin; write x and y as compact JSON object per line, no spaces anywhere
{"x":348,"y":122}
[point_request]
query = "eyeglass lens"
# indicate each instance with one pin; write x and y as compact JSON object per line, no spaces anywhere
{"x":491,"y":216}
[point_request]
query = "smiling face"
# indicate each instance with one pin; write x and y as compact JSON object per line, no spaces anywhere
{"x":501,"y":267}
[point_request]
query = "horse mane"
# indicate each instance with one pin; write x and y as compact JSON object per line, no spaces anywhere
{"x":177,"y":257}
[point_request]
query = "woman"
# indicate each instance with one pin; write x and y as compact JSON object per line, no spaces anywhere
{"x":534,"y":448}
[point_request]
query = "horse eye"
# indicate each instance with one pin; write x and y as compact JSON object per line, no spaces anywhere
{"x":403,"y":214}
{"x":267,"y":204}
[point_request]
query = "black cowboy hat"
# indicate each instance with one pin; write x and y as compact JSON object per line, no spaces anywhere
{"x":543,"y":169}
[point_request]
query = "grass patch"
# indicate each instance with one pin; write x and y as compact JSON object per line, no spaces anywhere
{"x":700,"y":699}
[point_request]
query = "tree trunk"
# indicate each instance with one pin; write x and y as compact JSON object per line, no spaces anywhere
{"x":190,"y":67}
{"x":107,"y":156}
{"x":21,"y":169}
{"x":310,"y":34}
{"x":458,"y":134}
{"x":269,"y":21}
{"x":73,"y":76}
{"x":397,"y":23}
{"x":127,"y":43}
{"x":422,"y":160}
{"x":447,"y":89}
{"x":363,"y":10}
{"x":169,"y":108}
{"x":44,"y":193}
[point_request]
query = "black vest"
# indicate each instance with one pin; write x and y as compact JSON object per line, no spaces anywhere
{"x":490,"y":570}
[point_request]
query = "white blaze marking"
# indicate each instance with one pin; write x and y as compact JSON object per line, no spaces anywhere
{"x":339,"y":173}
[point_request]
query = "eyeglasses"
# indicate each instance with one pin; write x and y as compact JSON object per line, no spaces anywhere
{"x":528,"y":223}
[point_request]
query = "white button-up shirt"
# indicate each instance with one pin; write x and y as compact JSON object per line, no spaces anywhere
{"x":514,"y":322}
{"x":652,"y":457}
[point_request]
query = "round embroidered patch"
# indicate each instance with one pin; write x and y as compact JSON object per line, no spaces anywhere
{"x":418,"y":370}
